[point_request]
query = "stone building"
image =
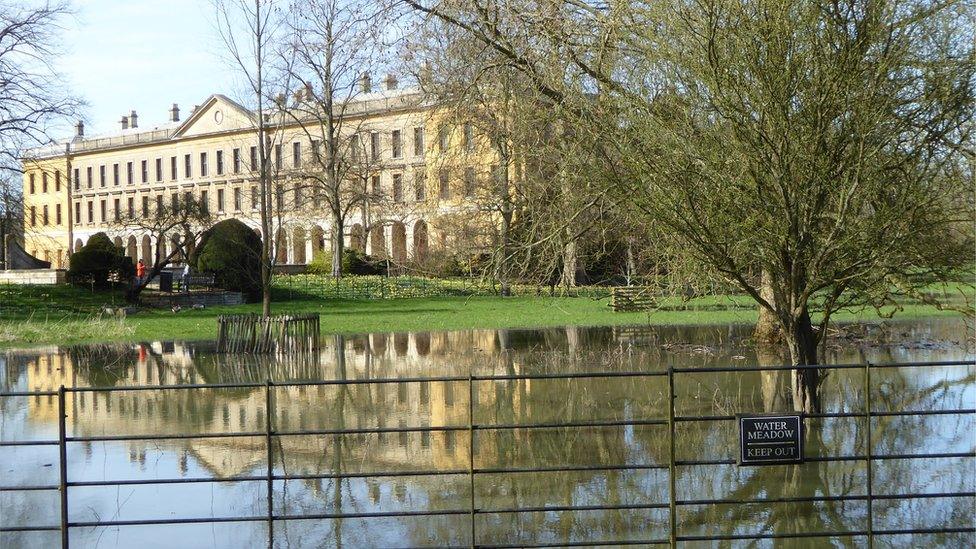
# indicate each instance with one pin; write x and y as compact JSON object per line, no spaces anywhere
{"x":416,"y":171}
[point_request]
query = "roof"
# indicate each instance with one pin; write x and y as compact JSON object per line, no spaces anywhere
{"x":358,"y":104}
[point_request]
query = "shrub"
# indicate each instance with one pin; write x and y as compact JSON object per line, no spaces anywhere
{"x":440,"y":263}
{"x":321,"y":263}
{"x":99,"y":261}
{"x":353,"y":262}
{"x":232,"y":252}
{"x":443,"y":263}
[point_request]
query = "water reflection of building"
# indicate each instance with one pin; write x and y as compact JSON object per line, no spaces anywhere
{"x":355,"y":406}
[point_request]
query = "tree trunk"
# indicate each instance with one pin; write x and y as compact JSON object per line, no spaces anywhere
{"x":802,"y":343}
{"x":501,"y":266}
{"x":364,"y":222}
{"x":568,"y":279}
{"x":631,"y":264}
{"x":338,"y":246}
{"x":768,"y":329}
{"x":134,"y":290}
{"x":265,"y":179}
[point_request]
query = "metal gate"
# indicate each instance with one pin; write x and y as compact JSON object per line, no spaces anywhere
{"x":675,"y":502}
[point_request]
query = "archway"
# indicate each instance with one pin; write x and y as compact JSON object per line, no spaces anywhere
{"x":399,"y":243}
{"x":419,"y":240}
{"x":377,"y":241}
{"x":146,"y":250}
{"x":281,"y":248}
{"x":117,"y":241}
{"x":356,"y":237}
{"x":78,"y":244}
{"x":131,"y":249}
{"x":298,"y":246}
{"x":318,"y":240}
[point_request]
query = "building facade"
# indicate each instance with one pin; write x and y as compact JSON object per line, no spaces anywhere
{"x":87,"y":185}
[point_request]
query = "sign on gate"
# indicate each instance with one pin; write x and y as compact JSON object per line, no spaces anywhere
{"x":770,"y":439}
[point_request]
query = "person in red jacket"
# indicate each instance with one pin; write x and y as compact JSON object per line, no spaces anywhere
{"x":140,"y":271}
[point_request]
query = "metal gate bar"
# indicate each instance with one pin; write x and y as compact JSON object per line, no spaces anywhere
{"x":269,"y":434}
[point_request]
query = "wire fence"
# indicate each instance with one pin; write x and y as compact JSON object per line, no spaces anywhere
{"x":406,"y":286}
{"x":675,"y":500}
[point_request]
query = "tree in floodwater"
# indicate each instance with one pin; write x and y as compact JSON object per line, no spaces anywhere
{"x":819,"y":143}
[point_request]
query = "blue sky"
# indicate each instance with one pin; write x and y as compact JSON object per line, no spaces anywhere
{"x":143,"y":55}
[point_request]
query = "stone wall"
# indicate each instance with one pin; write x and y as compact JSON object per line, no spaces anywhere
{"x":34,"y":276}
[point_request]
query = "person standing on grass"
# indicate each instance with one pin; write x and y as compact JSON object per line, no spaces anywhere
{"x":140,"y":271}
{"x":186,"y":278}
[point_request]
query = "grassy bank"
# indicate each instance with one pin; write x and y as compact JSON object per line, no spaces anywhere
{"x":61,"y":315}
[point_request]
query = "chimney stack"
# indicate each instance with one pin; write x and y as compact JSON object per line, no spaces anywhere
{"x":80,"y":129}
{"x":174,"y":113}
{"x":125,"y":122}
{"x":391,"y":82}
{"x":365,"y":85}
{"x":133,"y":120}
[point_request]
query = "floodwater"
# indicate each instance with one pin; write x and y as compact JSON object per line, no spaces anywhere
{"x":640,"y":493}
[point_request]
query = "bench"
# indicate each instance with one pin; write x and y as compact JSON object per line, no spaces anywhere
{"x":199,"y":280}
{"x":632,"y":298}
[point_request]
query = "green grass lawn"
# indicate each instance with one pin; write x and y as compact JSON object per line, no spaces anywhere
{"x":63,"y":314}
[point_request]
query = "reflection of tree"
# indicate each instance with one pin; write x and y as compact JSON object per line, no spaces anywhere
{"x":339,"y":412}
{"x":775,"y":483}
{"x":775,"y":389}
{"x":103,"y":365}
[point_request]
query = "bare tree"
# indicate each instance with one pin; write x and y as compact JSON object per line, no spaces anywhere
{"x":182,"y":223}
{"x":33,"y":97}
{"x":819,"y":143}
{"x":517,"y":152}
{"x":474,"y":118}
{"x":332,"y":46}
{"x":250,"y":32}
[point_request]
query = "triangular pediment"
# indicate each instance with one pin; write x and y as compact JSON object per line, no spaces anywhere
{"x":217,"y":114}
